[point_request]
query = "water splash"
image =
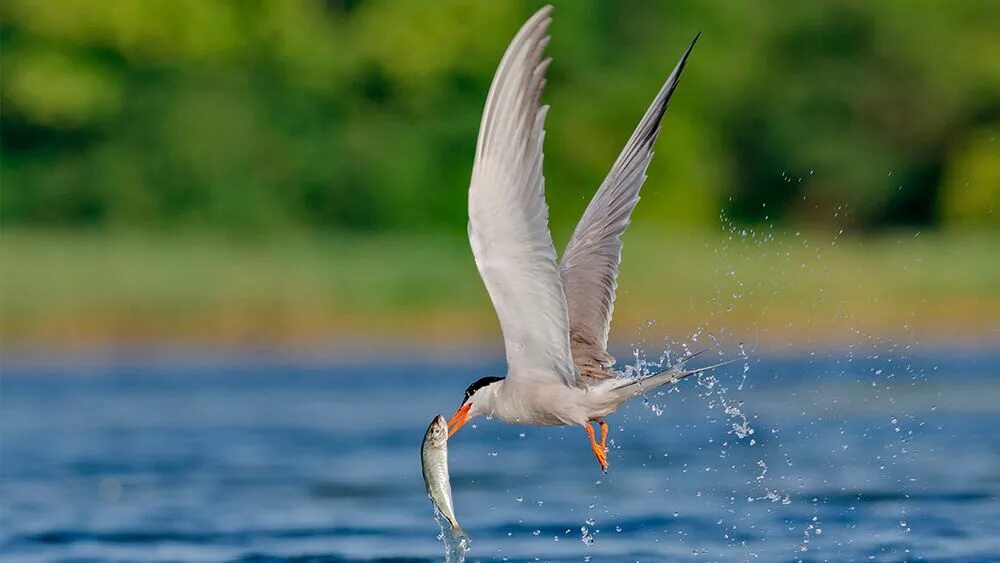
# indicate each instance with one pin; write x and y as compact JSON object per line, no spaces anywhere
{"x":740,"y":426}
{"x":456,"y":541}
{"x":736,"y":296}
{"x":812,"y":529}
{"x":586,"y":537}
{"x":772,"y":495}
{"x":716,"y":394}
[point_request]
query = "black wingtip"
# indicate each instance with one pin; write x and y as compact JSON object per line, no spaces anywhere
{"x":675,"y":76}
{"x":687,"y":51}
{"x":691,"y":46}
{"x":649,"y":135}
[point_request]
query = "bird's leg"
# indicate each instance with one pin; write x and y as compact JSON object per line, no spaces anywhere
{"x":600,"y":452}
{"x":604,"y":435}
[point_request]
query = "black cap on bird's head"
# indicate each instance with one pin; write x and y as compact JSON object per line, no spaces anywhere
{"x":462,"y":415}
{"x":477,"y":385}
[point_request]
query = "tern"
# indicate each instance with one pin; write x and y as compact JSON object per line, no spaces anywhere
{"x":555,"y":315}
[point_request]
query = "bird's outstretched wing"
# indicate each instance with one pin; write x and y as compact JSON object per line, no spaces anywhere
{"x":508,"y":217}
{"x":589,"y":266}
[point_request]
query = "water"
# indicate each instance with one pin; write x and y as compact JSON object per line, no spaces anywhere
{"x":276,"y":459}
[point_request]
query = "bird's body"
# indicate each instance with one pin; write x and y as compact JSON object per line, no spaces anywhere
{"x":551,"y":404}
{"x":555,"y":315}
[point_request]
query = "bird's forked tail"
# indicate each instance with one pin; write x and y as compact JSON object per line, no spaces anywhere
{"x":672,"y":374}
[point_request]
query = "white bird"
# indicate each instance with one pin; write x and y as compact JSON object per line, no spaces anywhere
{"x":555,"y":316}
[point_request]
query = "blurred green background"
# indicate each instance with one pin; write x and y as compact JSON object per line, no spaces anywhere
{"x":297,"y":170}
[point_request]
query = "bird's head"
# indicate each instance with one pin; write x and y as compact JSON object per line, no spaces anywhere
{"x":478,"y":400}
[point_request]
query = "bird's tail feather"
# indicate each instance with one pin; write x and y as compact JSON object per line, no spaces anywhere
{"x":671,"y":374}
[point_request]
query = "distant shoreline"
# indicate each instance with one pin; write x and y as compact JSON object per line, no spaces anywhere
{"x":95,"y":293}
{"x":342,"y":354}
{"x":337,"y":347}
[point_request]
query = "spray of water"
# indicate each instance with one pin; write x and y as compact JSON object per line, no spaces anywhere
{"x":456,"y":542}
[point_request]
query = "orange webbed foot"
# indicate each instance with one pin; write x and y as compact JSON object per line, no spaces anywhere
{"x":600,"y":450}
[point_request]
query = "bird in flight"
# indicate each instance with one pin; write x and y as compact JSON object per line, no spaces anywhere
{"x":555,"y":315}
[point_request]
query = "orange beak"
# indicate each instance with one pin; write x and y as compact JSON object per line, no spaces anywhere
{"x":460,"y":418}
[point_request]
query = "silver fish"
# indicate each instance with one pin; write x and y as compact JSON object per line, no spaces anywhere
{"x":434,"y":460}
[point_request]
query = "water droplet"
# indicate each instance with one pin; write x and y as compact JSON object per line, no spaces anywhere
{"x":585,"y":536}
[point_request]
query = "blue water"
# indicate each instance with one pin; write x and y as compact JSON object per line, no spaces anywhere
{"x":265,"y":458}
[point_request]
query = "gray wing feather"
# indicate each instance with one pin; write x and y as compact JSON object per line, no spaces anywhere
{"x":589,"y":267}
{"x":508,"y":217}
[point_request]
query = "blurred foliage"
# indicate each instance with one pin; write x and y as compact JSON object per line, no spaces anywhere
{"x":273,"y":114}
{"x":973,"y":190}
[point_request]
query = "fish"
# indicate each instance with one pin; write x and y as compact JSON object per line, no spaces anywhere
{"x":434,"y":461}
